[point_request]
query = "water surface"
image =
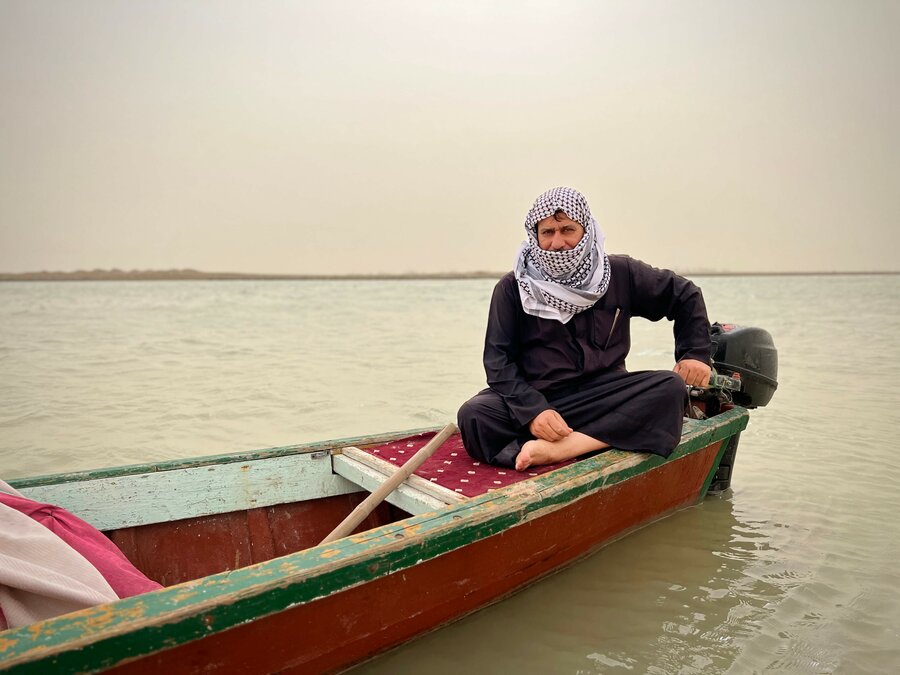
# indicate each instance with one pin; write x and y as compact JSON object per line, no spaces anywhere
{"x":793,"y":570}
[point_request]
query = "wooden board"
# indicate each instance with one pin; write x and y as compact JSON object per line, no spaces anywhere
{"x":174,"y":552}
{"x":162,"y":496}
{"x":415,"y":495}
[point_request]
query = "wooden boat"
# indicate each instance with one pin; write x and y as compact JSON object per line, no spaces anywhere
{"x":234,"y":539}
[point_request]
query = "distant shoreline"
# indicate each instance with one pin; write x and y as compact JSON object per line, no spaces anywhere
{"x":196,"y":275}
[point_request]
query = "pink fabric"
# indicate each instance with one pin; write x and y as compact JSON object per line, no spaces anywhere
{"x":123,"y":577}
{"x":451,"y":467}
{"x":41,"y":576}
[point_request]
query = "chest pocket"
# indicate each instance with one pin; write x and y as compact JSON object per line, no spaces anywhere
{"x":605,"y":325}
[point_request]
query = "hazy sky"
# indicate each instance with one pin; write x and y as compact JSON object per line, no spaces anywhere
{"x":411,"y":136}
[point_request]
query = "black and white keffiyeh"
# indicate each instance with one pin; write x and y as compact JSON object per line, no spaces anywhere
{"x":560,"y":284}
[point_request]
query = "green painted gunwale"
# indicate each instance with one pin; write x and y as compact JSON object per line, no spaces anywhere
{"x":103,"y":636}
{"x":228,"y":458}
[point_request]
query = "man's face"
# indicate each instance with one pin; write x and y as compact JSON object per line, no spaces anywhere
{"x":558,"y":232}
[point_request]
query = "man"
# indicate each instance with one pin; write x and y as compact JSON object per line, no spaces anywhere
{"x":557,"y":337}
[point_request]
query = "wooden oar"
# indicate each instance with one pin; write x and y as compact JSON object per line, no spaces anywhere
{"x":369,"y":503}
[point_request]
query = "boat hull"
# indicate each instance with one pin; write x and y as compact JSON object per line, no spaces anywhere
{"x":355,"y":624}
{"x":329,"y":607}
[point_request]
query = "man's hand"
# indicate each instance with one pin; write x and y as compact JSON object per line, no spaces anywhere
{"x":549,"y":426}
{"x":693,"y":372}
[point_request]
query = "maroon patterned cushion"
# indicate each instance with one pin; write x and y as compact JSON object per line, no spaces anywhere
{"x":451,"y":467}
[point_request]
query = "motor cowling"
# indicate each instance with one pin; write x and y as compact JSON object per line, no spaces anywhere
{"x":748,"y":354}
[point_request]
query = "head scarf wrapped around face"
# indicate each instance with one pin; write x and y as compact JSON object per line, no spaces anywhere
{"x":560,"y":284}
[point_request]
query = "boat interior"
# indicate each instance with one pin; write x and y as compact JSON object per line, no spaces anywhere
{"x":180,"y":521}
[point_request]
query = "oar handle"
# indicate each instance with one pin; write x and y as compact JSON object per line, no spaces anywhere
{"x":369,"y":503}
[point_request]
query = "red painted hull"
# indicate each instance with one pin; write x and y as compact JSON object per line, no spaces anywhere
{"x":178,"y":551}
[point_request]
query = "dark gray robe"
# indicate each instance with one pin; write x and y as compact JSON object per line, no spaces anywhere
{"x":578,"y":368}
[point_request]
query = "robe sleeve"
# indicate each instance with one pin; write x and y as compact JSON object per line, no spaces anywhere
{"x":502,"y":347}
{"x":660,"y":293}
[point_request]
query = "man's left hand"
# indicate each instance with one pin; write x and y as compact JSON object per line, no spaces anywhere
{"x":693,"y":372}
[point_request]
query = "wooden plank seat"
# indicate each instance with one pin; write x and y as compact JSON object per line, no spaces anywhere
{"x":415,"y":495}
{"x":449,"y":476}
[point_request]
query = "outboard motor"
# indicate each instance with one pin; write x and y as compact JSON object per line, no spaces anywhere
{"x":745,"y":368}
{"x":749,"y":355}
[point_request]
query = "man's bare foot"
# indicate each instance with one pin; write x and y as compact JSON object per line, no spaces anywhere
{"x":538,"y":452}
{"x":525,"y":459}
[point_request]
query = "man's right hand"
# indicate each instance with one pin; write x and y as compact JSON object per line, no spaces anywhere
{"x":549,"y":426}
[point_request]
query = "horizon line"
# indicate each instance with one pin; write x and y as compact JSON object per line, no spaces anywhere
{"x":187,"y":274}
